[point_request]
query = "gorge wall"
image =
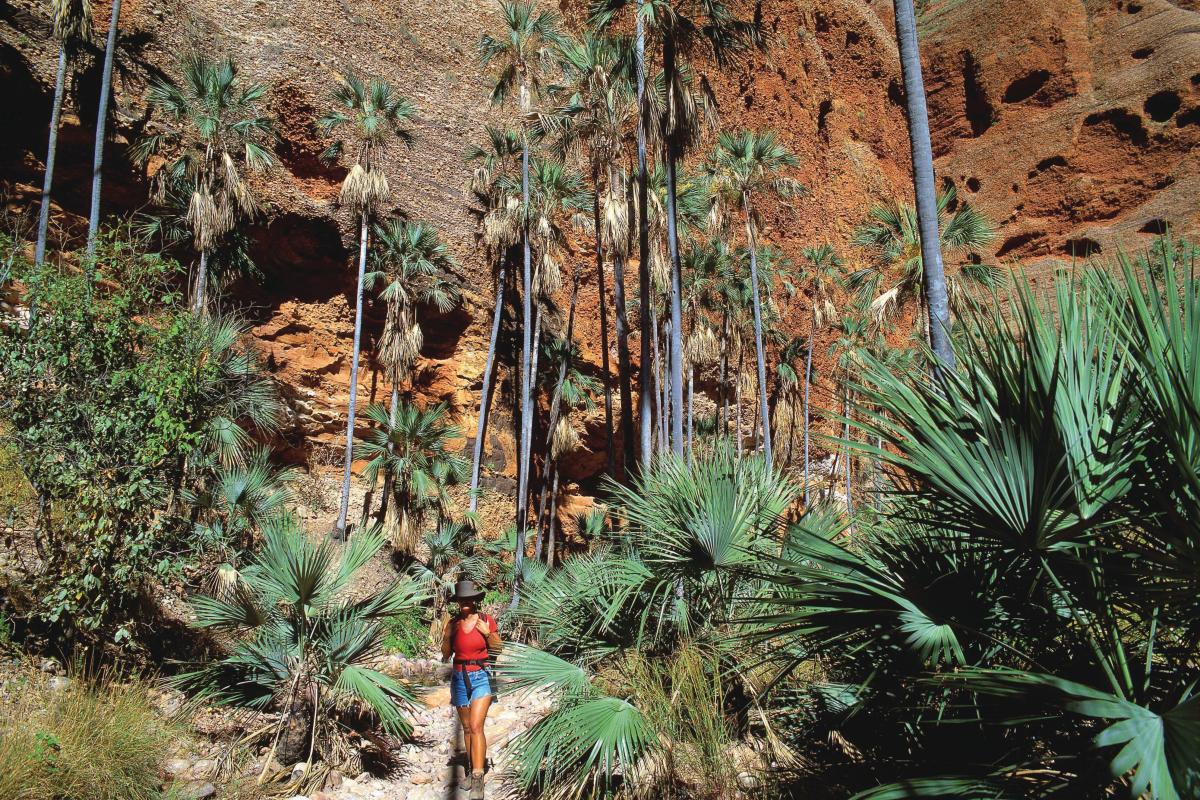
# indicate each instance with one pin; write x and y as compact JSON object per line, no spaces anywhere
{"x":1073,"y":124}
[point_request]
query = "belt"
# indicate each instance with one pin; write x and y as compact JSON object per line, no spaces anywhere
{"x":458,"y":665}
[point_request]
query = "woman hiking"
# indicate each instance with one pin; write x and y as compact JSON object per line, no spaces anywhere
{"x":471,"y":637}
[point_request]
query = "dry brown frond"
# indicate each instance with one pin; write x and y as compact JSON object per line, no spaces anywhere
{"x":566,"y":438}
{"x":702,"y":347}
{"x":549,"y":278}
{"x":364,"y":189}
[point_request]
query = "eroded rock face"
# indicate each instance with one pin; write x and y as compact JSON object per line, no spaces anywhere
{"x":1073,"y":124}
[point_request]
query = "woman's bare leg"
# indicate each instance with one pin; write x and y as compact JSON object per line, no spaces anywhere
{"x":464,"y":717}
{"x":478,"y":749}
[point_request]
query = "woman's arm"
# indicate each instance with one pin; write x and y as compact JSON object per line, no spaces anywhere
{"x":488,"y":629}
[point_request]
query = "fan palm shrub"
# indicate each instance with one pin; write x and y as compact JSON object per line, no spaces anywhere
{"x":1023,"y":621}
{"x":410,"y":447}
{"x":301,"y":643}
{"x":370,"y":117}
{"x":892,"y":239}
{"x":211,"y":132}
{"x":640,"y":620}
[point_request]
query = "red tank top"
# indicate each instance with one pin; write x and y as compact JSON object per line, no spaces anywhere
{"x":470,"y":646}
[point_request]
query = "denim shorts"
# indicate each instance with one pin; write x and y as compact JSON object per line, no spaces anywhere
{"x":467,"y":687}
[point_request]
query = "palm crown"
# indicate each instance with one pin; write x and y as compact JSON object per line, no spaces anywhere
{"x":525,"y":49}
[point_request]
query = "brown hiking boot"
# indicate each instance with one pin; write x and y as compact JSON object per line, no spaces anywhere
{"x":475,"y":786}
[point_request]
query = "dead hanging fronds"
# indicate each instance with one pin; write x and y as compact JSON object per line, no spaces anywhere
{"x":400,"y":342}
{"x":702,"y":347}
{"x":210,"y":218}
{"x":223,"y":582}
{"x":660,"y":270}
{"x":502,"y":225}
{"x":364,"y":189}
{"x":549,"y":277}
{"x":72,"y":19}
{"x":402,"y":529}
{"x":565,"y":439}
{"x":614,"y":225}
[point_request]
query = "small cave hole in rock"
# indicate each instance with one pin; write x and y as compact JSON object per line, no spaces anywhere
{"x":1082,"y":247}
{"x":972,"y":185}
{"x":1014,"y":243}
{"x":852,"y":38}
{"x":1143,"y":53}
{"x":1047,"y":163}
{"x":895,"y":93}
{"x":748,"y":101}
{"x":1189,"y":117}
{"x":823,"y":114}
{"x":1196,"y":79}
{"x":1026,"y":86}
{"x":1158,"y":227}
{"x":1124,"y":122}
{"x":1134,"y":8}
{"x":1161,"y":106}
{"x":979,"y":111}
{"x":1016,"y":188}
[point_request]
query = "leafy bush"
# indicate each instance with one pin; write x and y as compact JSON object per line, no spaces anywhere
{"x":407,"y":633}
{"x":92,"y":740}
{"x":118,"y":404}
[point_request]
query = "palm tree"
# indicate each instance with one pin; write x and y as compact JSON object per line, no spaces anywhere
{"x":742,"y":166}
{"x":825,"y":273}
{"x":501,"y":230}
{"x":110,"y":50}
{"x":211,"y":134}
{"x":522,"y":52}
{"x":892,"y":237}
{"x":72,"y":24}
{"x":937,"y":301}
{"x":411,"y":260}
{"x":410,"y":447}
{"x":241,"y":498}
{"x":373,"y":115}
{"x":305,"y":646}
{"x":598,"y":111}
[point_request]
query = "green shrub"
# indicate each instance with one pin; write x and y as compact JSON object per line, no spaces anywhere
{"x":92,"y":740}
{"x":407,"y":633}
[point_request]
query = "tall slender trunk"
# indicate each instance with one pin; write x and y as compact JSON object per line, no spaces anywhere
{"x":553,"y":520}
{"x":737,"y":403}
{"x":691,"y":397}
{"x":675,"y":340}
{"x":200,"y":294}
{"x":645,"y":394}
{"x":344,"y":509}
{"x":812,"y":332}
{"x":721,"y":387}
{"x":387,"y":474}
{"x":923,"y":182}
{"x":603,"y":301}
{"x":527,"y":410}
{"x":624,"y":376}
{"x":51,"y":150}
{"x":758,"y":333}
{"x":660,"y":388}
{"x":101,"y":120}
{"x":485,"y":394}
{"x":846,"y":436}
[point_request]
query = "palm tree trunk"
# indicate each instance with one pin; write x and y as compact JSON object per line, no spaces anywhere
{"x":923,"y":182}
{"x":812,"y":332}
{"x":758,"y":333}
{"x":737,"y":405}
{"x":199,"y":297}
{"x":387,"y":474}
{"x":645,"y":395}
{"x":721,"y":387}
{"x":691,"y":398}
{"x":846,"y":436}
{"x":624,"y":377}
{"x":485,"y":394}
{"x":675,"y":340}
{"x":660,"y":388}
{"x":344,"y":509}
{"x":553,"y":519}
{"x":102,"y":118}
{"x":51,"y":150}
{"x":608,"y":412}
{"x":526,"y":369}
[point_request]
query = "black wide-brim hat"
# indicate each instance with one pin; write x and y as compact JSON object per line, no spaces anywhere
{"x":466,"y":590}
